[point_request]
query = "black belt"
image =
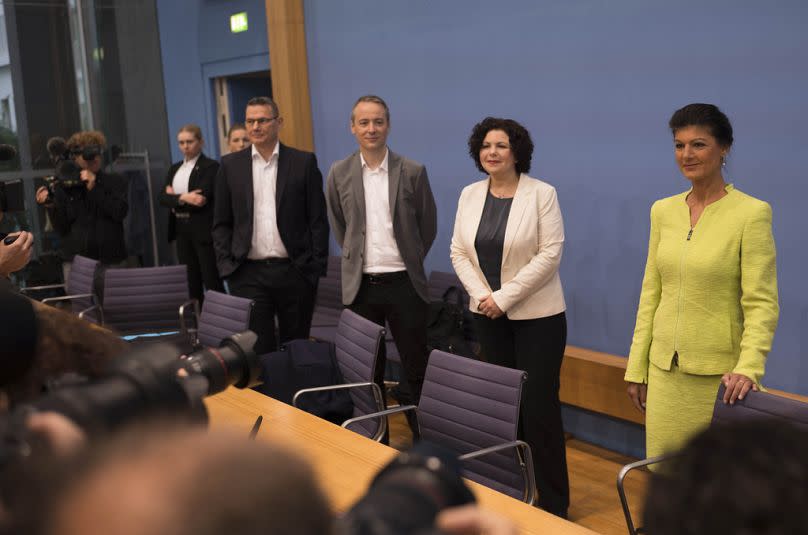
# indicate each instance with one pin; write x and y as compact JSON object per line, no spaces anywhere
{"x":270,"y":260}
{"x":384,"y":278}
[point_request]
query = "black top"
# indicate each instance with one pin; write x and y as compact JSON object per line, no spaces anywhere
{"x":91,"y":221}
{"x":491,"y":238}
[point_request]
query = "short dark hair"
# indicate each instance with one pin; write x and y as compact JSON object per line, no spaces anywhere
{"x":749,"y":477}
{"x":707,"y":115}
{"x":264,"y":101}
{"x":375,"y":100}
{"x":518,"y":136}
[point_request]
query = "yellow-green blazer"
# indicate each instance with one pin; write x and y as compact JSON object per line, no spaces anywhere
{"x":709,"y":294}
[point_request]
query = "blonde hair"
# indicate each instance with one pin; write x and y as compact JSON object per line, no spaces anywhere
{"x":192,"y":129}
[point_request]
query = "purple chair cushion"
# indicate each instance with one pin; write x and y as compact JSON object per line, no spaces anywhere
{"x":222,"y":316}
{"x":467,"y":405}
{"x":358,"y":343}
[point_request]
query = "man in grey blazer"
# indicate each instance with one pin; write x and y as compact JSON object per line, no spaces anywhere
{"x":381,"y":209}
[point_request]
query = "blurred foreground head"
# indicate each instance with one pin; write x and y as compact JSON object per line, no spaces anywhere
{"x":746,"y":478}
{"x":39,"y":343}
{"x":186,"y":482}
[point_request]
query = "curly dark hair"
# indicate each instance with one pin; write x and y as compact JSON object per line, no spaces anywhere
{"x":707,"y":115}
{"x":519,"y":137}
{"x":741,"y":477}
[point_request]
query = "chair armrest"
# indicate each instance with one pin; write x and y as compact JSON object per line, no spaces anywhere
{"x":183,"y":327}
{"x":528,"y":474}
{"x":89,"y":309}
{"x":621,"y":476}
{"x":49,"y":300}
{"x":380,"y":414}
{"x":377,"y":392}
{"x":377,"y":396}
{"x":45,"y":287}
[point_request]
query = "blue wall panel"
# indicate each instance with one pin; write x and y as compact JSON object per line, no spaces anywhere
{"x":197,"y":45}
{"x":595,"y":82}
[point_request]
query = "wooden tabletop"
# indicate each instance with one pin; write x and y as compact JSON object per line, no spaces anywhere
{"x":346,"y":462}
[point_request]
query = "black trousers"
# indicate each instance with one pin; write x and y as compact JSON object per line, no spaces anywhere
{"x":279,"y":290}
{"x":391,"y":298}
{"x":196,"y":252}
{"x":537,"y":347}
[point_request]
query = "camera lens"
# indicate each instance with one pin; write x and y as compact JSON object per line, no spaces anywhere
{"x":232,"y":363}
{"x":406,"y":496}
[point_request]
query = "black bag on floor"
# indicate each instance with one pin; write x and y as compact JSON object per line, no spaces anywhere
{"x":446,"y":324}
{"x":306,"y":364}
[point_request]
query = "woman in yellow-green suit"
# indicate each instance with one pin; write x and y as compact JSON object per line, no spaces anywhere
{"x":708,"y":308}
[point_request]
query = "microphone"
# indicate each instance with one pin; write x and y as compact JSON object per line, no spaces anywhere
{"x":56,"y":147}
{"x":7,"y":152}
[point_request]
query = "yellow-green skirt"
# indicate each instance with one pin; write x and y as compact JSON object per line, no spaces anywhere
{"x":678,"y":406}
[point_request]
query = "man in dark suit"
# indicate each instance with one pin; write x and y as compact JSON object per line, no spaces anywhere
{"x":383,"y":214}
{"x":270,"y":229}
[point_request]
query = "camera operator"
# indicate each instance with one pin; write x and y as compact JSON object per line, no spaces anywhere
{"x":88,"y":210}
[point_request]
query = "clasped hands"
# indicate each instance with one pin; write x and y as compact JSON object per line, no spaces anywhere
{"x":194,"y":198}
{"x":489,"y":307}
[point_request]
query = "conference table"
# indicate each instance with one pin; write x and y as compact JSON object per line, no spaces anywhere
{"x":345,"y":462}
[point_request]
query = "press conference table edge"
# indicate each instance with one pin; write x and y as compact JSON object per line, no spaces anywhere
{"x":345,"y":462}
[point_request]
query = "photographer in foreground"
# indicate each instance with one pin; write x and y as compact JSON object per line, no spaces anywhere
{"x":86,"y":204}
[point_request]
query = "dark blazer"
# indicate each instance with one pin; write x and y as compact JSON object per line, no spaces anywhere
{"x":203,"y":177}
{"x":300,"y":208}
{"x":411,"y":206}
{"x":91,"y":222}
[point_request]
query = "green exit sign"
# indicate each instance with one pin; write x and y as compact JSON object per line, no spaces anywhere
{"x":238,"y":22}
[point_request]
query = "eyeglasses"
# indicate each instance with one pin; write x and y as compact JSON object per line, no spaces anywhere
{"x":261,"y":121}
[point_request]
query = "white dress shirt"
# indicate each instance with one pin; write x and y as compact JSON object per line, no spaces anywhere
{"x":381,"y":250}
{"x":266,"y":239}
{"x":180,"y":181}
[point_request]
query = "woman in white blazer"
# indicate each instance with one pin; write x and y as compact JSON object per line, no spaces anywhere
{"x":506,"y":249}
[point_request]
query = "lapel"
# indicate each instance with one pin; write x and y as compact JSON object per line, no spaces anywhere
{"x":171,"y":172}
{"x":245,"y":169}
{"x":355,"y":178}
{"x":192,"y":179}
{"x":474,"y":209}
{"x":521,"y":201}
{"x":393,"y":178}
{"x":284,"y":172}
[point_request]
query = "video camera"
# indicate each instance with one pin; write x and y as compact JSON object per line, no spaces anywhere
{"x":148,"y":381}
{"x":67,"y":172}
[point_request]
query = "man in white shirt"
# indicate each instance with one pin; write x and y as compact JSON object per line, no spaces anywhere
{"x":383,"y":214}
{"x":270,"y":229}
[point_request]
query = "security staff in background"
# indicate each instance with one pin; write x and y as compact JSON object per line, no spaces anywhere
{"x":189,"y":189}
{"x":88,"y":212}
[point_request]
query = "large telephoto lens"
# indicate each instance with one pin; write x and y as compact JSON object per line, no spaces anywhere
{"x":233,"y":363}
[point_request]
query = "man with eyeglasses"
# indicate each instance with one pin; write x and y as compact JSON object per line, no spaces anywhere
{"x":270,"y":228}
{"x":88,"y":210}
